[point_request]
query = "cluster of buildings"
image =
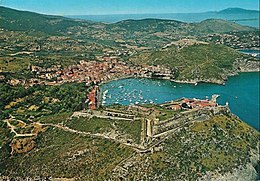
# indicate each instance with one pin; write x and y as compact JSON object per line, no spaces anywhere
{"x":94,"y":72}
{"x":191,"y":104}
{"x":234,"y":39}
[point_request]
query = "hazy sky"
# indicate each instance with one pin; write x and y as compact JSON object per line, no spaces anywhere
{"x":93,"y":7}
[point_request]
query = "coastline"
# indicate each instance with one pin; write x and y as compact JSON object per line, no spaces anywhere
{"x":217,"y":81}
{"x":194,"y":81}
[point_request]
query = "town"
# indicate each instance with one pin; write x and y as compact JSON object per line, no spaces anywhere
{"x":93,"y":73}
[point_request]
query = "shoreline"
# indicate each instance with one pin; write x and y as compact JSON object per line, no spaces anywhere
{"x":194,"y":82}
{"x":184,"y":81}
{"x":219,"y":82}
{"x":232,"y":99}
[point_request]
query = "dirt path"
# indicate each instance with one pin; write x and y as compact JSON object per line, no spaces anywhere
{"x":99,"y":135}
{"x":12,"y":128}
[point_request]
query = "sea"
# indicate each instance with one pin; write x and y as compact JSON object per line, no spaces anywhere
{"x":255,"y":53}
{"x":241,"y":92}
{"x":248,"y":19}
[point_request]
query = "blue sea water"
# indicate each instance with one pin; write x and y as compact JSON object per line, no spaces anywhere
{"x":255,"y":53}
{"x":249,"y":19}
{"x":241,"y":92}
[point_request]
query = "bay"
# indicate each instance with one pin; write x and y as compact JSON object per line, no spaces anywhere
{"x":241,"y":92}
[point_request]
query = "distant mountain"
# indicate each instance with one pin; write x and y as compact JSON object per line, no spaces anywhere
{"x":82,"y":38}
{"x":15,"y":20}
{"x":159,"y":25}
{"x":236,"y":11}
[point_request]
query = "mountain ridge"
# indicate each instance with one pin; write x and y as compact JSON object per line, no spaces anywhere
{"x":16,"y":20}
{"x":27,"y":21}
{"x":236,"y":11}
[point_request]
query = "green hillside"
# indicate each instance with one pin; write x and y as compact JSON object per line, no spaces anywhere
{"x":218,"y":26}
{"x":76,"y":40}
{"x":48,"y":65}
{"x":195,"y":62}
{"x":218,"y":146}
{"x":15,"y":20}
{"x":146,"y":25}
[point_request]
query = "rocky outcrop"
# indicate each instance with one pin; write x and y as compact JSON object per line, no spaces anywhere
{"x":245,"y":173}
{"x":22,"y":145}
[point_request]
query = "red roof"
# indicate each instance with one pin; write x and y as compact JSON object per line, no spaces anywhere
{"x":92,"y":99}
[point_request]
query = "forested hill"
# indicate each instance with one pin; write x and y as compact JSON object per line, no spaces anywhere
{"x":15,"y":20}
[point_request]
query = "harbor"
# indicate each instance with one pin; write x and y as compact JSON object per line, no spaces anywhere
{"x":138,"y":91}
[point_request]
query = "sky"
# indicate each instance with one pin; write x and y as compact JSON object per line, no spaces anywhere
{"x":101,"y":7}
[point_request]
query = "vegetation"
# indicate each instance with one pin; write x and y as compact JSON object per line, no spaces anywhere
{"x":210,"y":150}
{"x":155,"y":25}
{"x":55,"y":118}
{"x":218,"y":26}
{"x":195,"y":62}
{"x":27,"y":21}
{"x":41,"y":100}
{"x":198,"y":148}
{"x":221,"y":143}
{"x":28,"y":38}
{"x":61,"y":154}
{"x":40,"y":138}
{"x":130,"y":129}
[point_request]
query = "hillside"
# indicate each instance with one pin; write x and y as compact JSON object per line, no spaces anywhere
{"x":51,"y":124}
{"x":34,"y":39}
{"x":158,"y":32}
{"x":15,"y":20}
{"x":198,"y":61}
{"x":85,"y":148}
{"x":218,"y":26}
{"x":153,"y":25}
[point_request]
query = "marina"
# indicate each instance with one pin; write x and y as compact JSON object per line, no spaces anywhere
{"x":239,"y":91}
